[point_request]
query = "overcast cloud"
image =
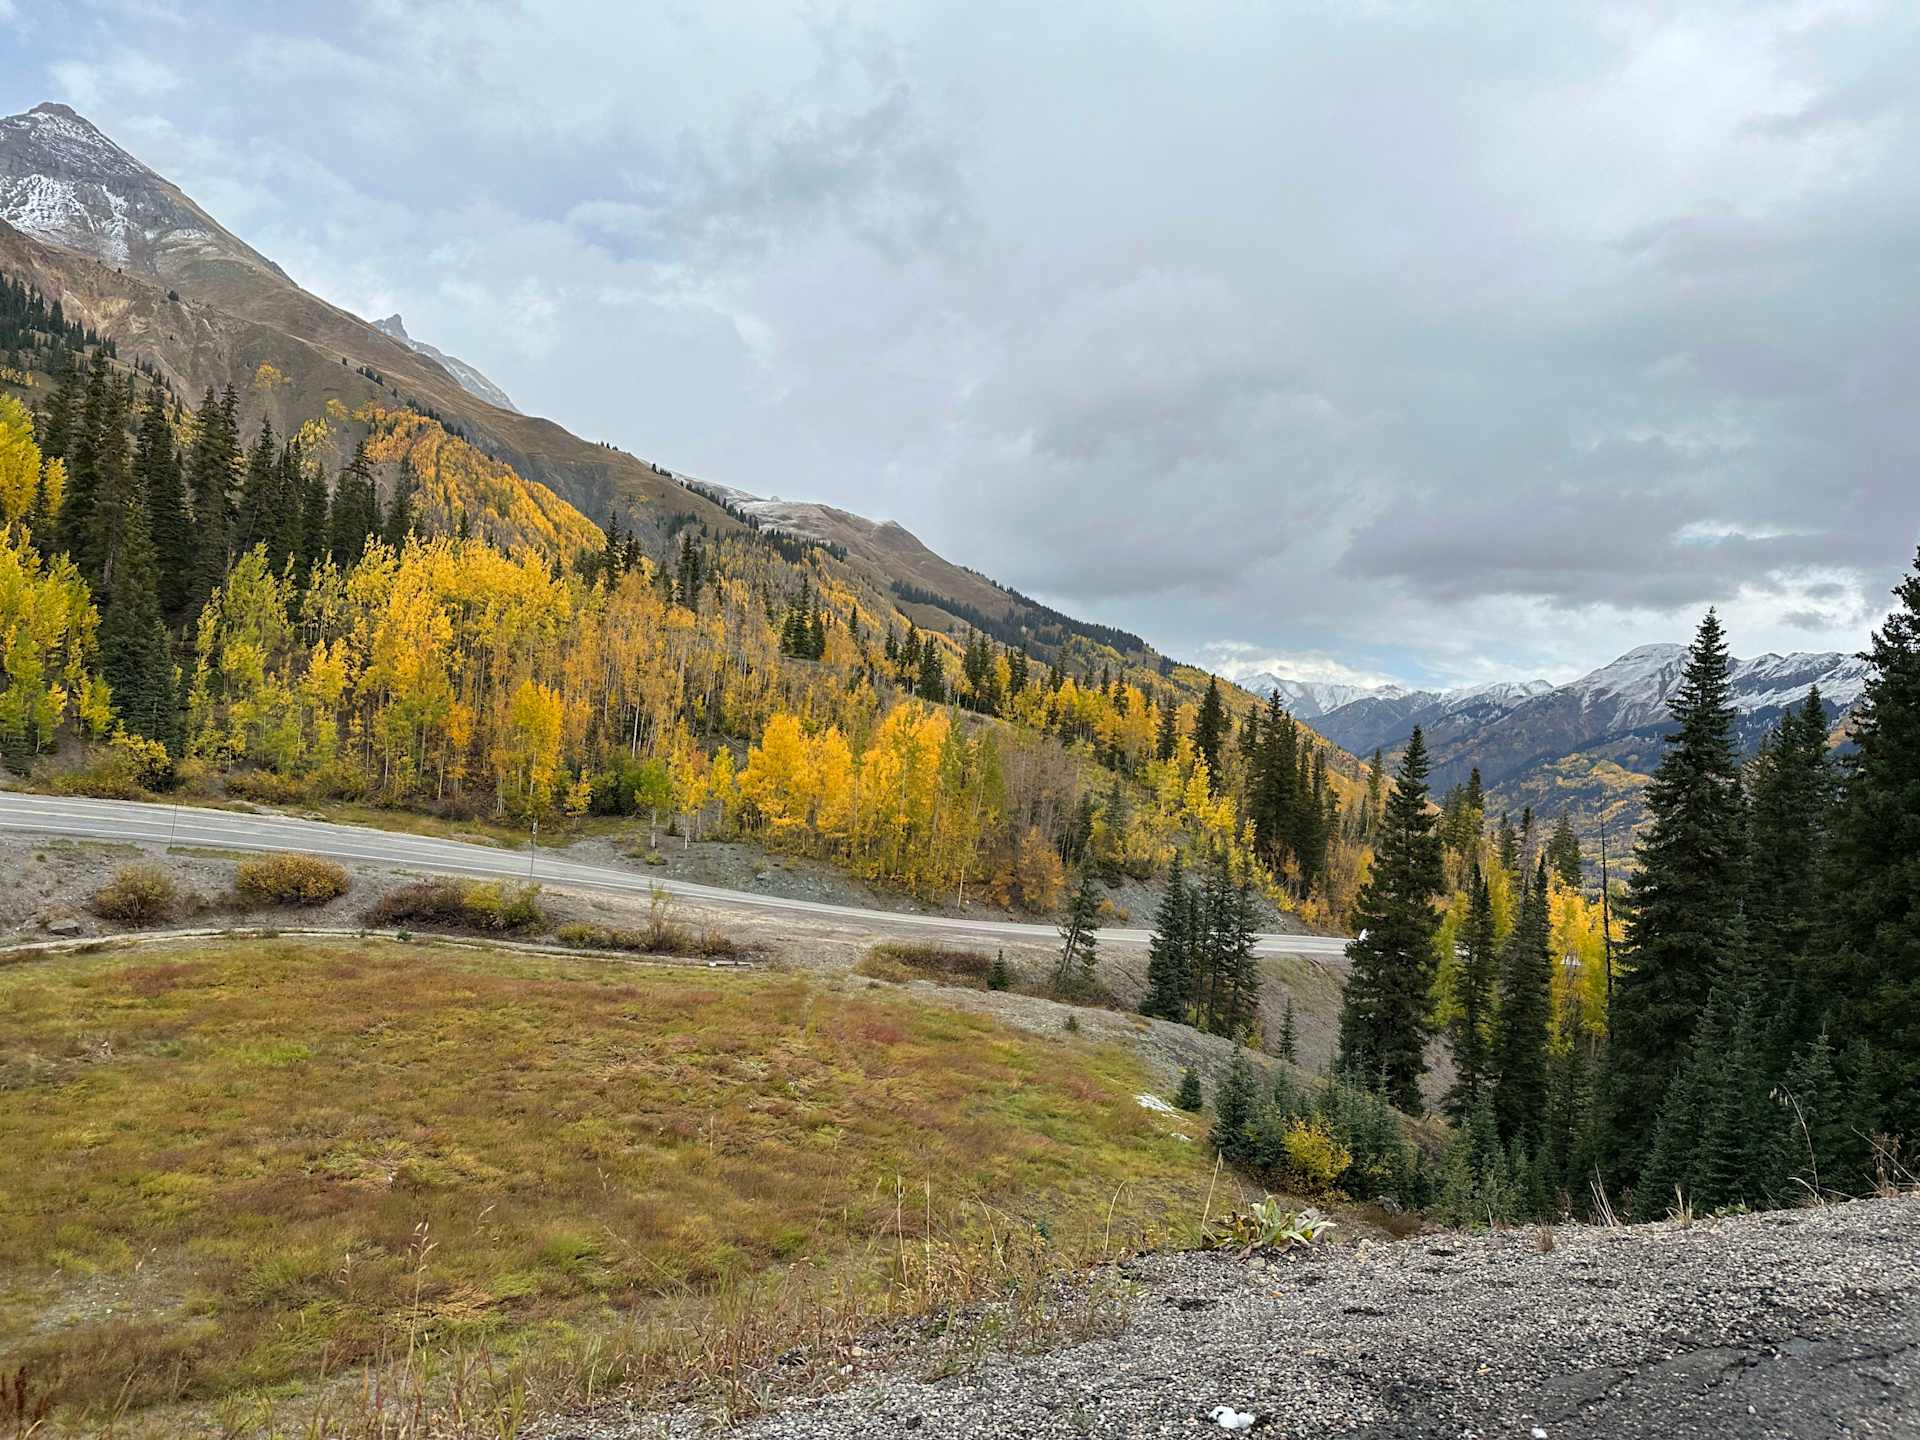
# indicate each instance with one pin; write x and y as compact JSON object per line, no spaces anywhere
{"x":1379,"y":338}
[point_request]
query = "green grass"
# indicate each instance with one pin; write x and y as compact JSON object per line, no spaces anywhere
{"x":237,"y":1168}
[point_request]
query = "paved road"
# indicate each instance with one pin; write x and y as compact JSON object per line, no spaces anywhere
{"x":227,"y":830}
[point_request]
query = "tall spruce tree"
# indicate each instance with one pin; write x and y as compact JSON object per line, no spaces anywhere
{"x":1287,"y":1047}
{"x":355,"y":516}
{"x":1684,"y":920}
{"x":1563,"y":851}
{"x":1470,"y":1032}
{"x":1871,"y":964}
{"x":210,"y":469}
{"x":1790,"y":789}
{"x":1210,"y":728}
{"x":1519,"y":1051}
{"x":1384,"y":1015}
{"x":1169,"y":949}
{"x":1079,"y":941}
{"x":156,"y":467}
{"x":135,"y":657}
{"x":74,"y":526}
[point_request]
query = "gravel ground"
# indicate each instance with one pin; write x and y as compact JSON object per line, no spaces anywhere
{"x":1801,"y":1323}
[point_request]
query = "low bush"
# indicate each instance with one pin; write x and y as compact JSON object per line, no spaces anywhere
{"x":900,"y":961}
{"x":290,"y":880}
{"x":678,"y":940}
{"x":493,"y":906}
{"x":267,"y":787}
{"x":128,"y":767}
{"x":138,"y":895}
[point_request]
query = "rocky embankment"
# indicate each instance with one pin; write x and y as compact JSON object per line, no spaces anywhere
{"x":1794,"y":1323}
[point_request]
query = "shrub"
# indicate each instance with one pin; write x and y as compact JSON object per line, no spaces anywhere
{"x":432,"y":902}
{"x":1315,"y":1160}
{"x":268,"y":787}
{"x":707,"y":945}
{"x":999,"y":977}
{"x":495,"y":907}
{"x":138,"y":895}
{"x":899,"y":960}
{"x":290,"y":880}
{"x":128,"y":767}
{"x":499,"y":907}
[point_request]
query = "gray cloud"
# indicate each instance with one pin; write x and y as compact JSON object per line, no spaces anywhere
{"x":1415,"y":339}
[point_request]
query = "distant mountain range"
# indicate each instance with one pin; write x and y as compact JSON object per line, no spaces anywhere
{"x":1586,"y":747}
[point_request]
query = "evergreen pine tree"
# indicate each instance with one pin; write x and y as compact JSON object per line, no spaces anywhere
{"x":1870,"y":965}
{"x":1169,"y":977}
{"x":1384,"y":1014}
{"x":1210,"y":728}
{"x":355,"y":516}
{"x":1163,"y":742}
{"x":1078,"y":940}
{"x":316,"y":528}
{"x":116,"y":497}
{"x":1470,"y":1032}
{"x":999,"y":977}
{"x":1790,"y":785}
{"x":258,"y":501}
{"x":135,"y":658}
{"x":1563,"y":851}
{"x":1233,"y":1100}
{"x":1683,"y":929}
{"x":1739,"y":1149}
{"x":210,"y":470}
{"x":74,"y":526}
{"x":1189,"y":1097}
{"x":1236,"y":961}
{"x":1519,"y":1051}
{"x":1818,"y":1151}
{"x":398,"y":524}
{"x":1287,"y":1047}
{"x":931,"y":684}
{"x":156,"y":465}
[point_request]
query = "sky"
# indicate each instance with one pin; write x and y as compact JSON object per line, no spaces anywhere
{"x":1437,"y":342}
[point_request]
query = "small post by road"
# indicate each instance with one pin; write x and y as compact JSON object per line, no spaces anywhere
{"x":531,"y":839}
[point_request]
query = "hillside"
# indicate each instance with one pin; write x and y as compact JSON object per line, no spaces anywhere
{"x":469,"y":377}
{"x":127,"y":252}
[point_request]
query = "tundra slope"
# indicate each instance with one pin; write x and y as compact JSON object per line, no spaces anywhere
{"x":1791,"y":1323}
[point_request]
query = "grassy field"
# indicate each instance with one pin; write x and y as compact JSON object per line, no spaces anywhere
{"x":236,"y":1172}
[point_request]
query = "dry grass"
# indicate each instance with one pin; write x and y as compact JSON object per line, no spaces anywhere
{"x":662,"y":934}
{"x":246,"y":1177}
{"x":901,"y":961}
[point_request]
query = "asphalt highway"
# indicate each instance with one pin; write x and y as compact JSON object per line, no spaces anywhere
{"x":132,"y":821}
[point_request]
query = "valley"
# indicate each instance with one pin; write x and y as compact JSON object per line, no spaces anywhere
{"x":533,"y":911}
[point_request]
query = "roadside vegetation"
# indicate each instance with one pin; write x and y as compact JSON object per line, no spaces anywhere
{"x":243,"y":1173}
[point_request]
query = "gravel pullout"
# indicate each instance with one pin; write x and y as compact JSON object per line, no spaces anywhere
{"x":1797,"y":1323}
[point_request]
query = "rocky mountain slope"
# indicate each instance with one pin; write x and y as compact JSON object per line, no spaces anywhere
{"x":1587,"y":746}
{"x":468,"y":376}
{"x":127,"y":252}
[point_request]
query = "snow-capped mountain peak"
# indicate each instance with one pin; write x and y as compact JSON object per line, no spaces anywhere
{"x":63,"y":181}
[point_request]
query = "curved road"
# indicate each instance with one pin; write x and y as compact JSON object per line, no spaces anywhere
{"x":125,"y":820}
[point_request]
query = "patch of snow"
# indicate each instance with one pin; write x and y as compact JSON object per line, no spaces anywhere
{"x":1155,"y":1104}
{"x":1228,"y":1418}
